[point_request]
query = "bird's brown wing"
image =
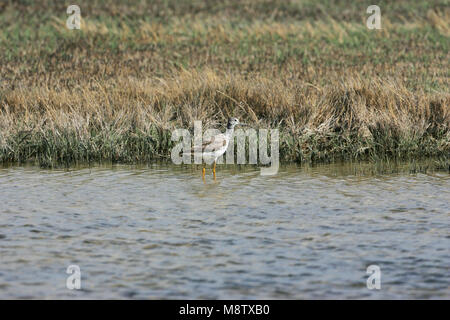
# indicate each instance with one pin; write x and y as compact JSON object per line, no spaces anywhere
{"x":215,"y":143}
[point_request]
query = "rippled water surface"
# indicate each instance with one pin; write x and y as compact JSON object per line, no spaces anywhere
{"x":160,"y":232}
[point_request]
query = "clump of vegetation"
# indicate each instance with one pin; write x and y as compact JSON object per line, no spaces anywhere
{"x":115,"y":90}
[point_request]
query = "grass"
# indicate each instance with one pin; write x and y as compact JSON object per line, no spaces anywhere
{"x":114,"y":90}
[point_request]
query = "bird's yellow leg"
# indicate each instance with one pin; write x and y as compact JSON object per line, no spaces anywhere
{"x":214,"y":170}
{"x":203,"y":172}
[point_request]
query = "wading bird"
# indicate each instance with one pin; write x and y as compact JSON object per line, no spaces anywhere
{"x":216,"y":146}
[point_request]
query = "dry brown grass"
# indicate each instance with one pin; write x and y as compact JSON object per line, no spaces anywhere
{"x":354,"y":118}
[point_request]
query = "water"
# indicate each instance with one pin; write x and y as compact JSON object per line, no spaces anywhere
{"x":160,"y":232}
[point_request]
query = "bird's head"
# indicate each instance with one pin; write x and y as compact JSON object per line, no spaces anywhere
{"x":232,"y":122}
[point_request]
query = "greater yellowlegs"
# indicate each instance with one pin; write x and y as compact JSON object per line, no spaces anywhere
{"x":217,"y":145}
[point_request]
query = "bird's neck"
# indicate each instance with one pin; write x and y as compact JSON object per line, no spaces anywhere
{"x":229,"y":131}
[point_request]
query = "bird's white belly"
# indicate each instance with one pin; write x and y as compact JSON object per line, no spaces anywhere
{"x":214,"y":154}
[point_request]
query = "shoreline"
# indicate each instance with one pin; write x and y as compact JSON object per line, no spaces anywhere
{"x":356,"y":119}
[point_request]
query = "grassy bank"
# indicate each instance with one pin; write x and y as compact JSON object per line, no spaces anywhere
{"x":115,"y":89}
